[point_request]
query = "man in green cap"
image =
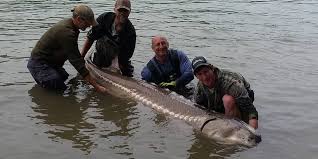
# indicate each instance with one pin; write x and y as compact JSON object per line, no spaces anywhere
{"x":59,"y":44}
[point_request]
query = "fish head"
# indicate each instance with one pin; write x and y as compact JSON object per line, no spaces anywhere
{"x":242,"y":136}
{"x":231,"y":132}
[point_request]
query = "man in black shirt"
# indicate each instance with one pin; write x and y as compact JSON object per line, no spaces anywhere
{"x":116,"y":37}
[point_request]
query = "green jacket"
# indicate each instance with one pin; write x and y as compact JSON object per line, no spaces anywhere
{"x":59,"y":44}
{"x":230,"y":83}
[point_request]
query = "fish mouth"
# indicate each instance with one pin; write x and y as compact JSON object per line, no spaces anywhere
{"x":255,"y":140}
{"x":250,"y":142}
{"x":258,"y":137}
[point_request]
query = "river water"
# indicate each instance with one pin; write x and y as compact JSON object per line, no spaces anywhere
{"x":272,"y":43}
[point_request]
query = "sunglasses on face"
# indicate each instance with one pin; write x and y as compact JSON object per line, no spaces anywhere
{"x":122,"y":10}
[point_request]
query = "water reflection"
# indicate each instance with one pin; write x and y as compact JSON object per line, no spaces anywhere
{"x":207,"y":148}
{"x":84,"y":117}
{"x":64,"y":115}
{"x":121,"y":118}
{"x":120,"y":112}
{"x":118,"y":108}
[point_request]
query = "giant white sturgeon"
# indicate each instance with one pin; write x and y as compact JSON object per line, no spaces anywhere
{"x":214,"y":125}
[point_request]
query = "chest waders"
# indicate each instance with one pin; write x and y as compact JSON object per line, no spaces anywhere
{"x":160,"y":76}
{"x":106,"y":51}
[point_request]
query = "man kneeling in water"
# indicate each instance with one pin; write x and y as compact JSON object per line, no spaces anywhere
{"x":169,"y":68}
{"x":224,"y":91}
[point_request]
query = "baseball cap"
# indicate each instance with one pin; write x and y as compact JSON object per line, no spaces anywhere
{"x":123,"y":4}
{"x":85,"y":12}
{"x":199,"y":61}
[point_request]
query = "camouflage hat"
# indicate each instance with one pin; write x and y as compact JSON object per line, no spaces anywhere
{"x":123,"y":4}
{"x":198,"y":62}
{"x":84,"y":12}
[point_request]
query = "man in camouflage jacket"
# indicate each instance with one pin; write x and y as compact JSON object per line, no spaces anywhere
{"x":224,"y":91}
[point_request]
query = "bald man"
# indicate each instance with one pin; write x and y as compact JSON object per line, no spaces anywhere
{"x":169,"y":68}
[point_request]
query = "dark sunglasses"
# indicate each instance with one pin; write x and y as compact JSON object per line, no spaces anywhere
{"x":122,"y":10}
